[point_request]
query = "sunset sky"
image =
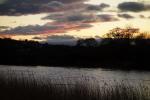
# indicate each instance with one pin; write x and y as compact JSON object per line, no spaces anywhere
{"x":67,"y":20}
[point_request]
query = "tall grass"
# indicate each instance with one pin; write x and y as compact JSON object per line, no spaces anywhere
{"x":28,"y":87}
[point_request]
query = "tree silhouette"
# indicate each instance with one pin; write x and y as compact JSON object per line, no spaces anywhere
{"x":89,"y":42}
{"x":119,"y":33}
{"x":144,"y":35}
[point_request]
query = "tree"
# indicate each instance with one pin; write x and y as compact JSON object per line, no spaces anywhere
{"x":119,"y":33}
{"x":144,"y":35}
{"x":90,"y":42}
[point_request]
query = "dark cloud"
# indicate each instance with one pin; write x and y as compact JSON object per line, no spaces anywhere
{"x":107,"y":18}
{"x":147,"y":7}
{"x":30,"y":29}
{"x":68,"y":37}
{"x":55,"y":37}
{"x":54,"y":16}
{"x":3,"y":27}
{"x":94,"y":7}
{"x":2,"y":1}
{"x":54,"y":5}
{"x":104,"y":5}
{"x":98,"y":7}
{"x":126,"y":16}
{"x":133,"y":6}
{"x":85,"y":25}
{"x":49,"y":28}
{"x":73,"y":17}
{"x":66,"y":15}
{"x":58,"y":39}
{"x":80,"y":17}
{"x":18,"y":7}
{"x":141,"y":16}
{"x":38,"y":38}
{"x":76,"y":18}
{"x":62,"y":40}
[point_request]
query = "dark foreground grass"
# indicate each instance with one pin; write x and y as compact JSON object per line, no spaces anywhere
{"x":32,"y":89}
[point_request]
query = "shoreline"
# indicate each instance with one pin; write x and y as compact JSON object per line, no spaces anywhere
{"x":111,"y":53}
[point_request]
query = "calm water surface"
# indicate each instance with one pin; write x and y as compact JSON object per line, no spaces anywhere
{"x":61,"y":75}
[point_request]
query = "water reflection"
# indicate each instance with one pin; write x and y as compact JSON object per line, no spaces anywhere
{"x":60,"y":75}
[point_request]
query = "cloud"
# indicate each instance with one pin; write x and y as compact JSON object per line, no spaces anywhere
{"x":19,"y":7}
{"x":94,"y":7}
{"x":76,"y":18}
{"x":62,"y":40}
{"x":48,"y":28}
{"x":104,"y":5}
{"x":126,"y":16}
{"x":30,"y":29}
{"x":38,"y":38}
{"x":63,"y":22}
{"x":147,"y":6}
{"x":2,"y":1}
{"x":97,"y":7}
{"x":141,"y":16}
{"x":73,"y":17}
{"x":80,"y":17}
{"x":85,"y":25}
{"x":68,"y":37}
{"x":58,"y":39}
{"x":3,"y":27}
{"x":133,"y":6}
{"x":66,"y":15}
{"x":54,"y":5}
{"x":107,"y":18}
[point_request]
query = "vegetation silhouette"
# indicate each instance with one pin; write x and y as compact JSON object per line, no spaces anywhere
{"x":33,"y":88}
{"x":120,"y":48}
{"x":89,"y":42}
{"x":126,"y":33}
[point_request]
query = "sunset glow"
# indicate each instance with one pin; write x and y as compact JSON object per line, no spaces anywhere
{"x":85,"y":18}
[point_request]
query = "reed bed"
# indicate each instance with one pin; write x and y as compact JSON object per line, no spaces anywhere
{"x":27,"y":86}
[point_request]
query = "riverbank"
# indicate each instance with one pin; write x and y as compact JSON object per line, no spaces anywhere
{"x":110,"y":53}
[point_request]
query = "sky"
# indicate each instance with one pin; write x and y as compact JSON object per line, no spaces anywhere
{"x":61,"y":21}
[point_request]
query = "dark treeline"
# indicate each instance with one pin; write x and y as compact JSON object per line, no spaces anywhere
{"x":111,"y":53}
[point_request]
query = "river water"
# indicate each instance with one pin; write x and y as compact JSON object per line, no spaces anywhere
{"x":61,"y":75}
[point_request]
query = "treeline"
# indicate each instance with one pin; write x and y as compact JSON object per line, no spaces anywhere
{"x":109,"y":53}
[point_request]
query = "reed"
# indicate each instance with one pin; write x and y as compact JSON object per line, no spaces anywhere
{"x":23,"y":87}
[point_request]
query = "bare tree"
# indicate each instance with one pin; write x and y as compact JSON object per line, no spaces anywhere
{"x":119,"y":33}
